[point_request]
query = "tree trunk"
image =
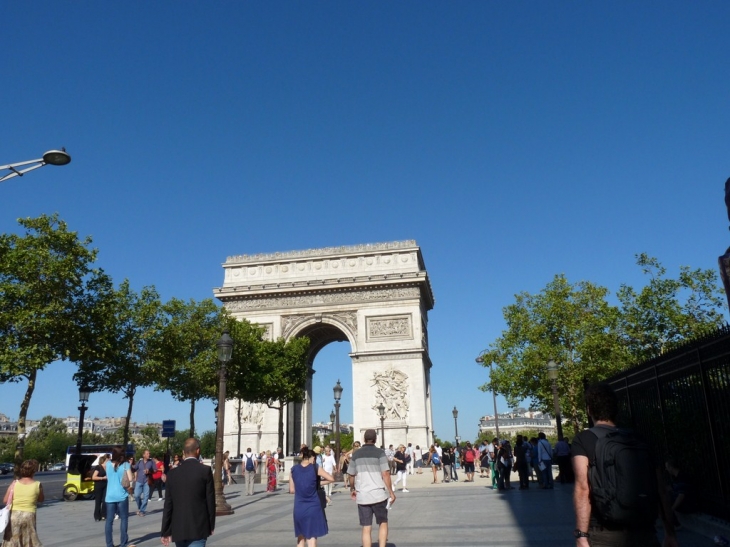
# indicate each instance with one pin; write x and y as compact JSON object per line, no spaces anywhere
{"x":192,"y":417}
{"x":21,"y":420}
{"x":130,"y":398}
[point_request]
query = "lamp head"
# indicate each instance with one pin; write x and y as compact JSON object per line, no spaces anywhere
{"x":337,"y":390}
{"x":225,"y":347}
{"x":57,"y":157}
{"x":552,"y":368}
{"x":455,"y":413}
{"x":84,"y":392}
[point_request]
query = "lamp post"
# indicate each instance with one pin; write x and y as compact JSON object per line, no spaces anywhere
{"x":337,"y":390}
{"x":225,"y":350}
{"x":52,"y":157}
{"x":480,"y":359}
{"x":381,"y":411}
{"x":552,"y":369}
{"x":455,"y":414}
{"x":433,"y":432}
{"x":84,"y":398}
{"x":332,"y":424}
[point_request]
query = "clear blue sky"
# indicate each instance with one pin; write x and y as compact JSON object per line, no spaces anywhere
{"x":513,"y":141}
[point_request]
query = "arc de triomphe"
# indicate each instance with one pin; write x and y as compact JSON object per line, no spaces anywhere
{"x":374,"y":296}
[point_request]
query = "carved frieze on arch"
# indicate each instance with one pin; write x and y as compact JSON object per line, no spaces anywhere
{"x":391,"y":389}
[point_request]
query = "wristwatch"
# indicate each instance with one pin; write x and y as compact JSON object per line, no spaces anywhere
{"x":578,"y":534}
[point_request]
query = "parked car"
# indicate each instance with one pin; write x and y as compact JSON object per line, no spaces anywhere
{"x":6,"y":468}
{"x":58,"y":467}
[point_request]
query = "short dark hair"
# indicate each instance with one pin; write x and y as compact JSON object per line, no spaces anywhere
{"x":370,"y":435}
{"x":602,"y":402}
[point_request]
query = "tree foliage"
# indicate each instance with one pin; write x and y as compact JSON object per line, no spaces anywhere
{"x":48,"y":295}
{"x":132,"y":346}
{"x":572,"y":324}
{"x":589,"y":338}
{"x":279,"y":376}
{"x":189,"y":364}
{"x":667,"y":311}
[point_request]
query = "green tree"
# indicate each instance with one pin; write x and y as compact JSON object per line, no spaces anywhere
{"x":278,"y":376}
{"x":7,"y":447}
{"x":346,"y":441}
{"x":590,"y":339}
{"x":666,"y":311}
{"x":207,"y":444}
{"x":149,"y":439}
{"x":572,"y":324}
{"x":131,"y":347}
{"x":48,"y":291}
{"x":187,"y":342}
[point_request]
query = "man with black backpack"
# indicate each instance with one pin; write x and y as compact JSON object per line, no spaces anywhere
{"x":249,"y":465}
{"x":617,"y":495}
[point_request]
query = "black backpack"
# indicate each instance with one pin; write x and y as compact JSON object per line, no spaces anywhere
{"x":622,"y":478}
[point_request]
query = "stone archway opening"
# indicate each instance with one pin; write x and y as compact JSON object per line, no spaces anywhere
{"x":302,"y":416}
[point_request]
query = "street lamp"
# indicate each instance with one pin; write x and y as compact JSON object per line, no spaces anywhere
{"x":225,"y":350}
{"x":552,"y":370}
{"x":455,"y":414}
{"x":84,"y":398}
{"x":337,"y":390}
{"x":381,"y":411}
{"x":52,"y":157}
{"x":480,"y":359}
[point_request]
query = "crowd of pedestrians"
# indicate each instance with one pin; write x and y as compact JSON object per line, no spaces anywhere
{"x":188,"y":516}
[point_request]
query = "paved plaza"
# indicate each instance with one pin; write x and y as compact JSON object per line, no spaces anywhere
{"x":464,"y":514}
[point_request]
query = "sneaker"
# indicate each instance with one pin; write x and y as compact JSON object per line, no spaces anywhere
{"x":161,"y":499}
{"x":404,"y":490}
{"x":116,"y":517}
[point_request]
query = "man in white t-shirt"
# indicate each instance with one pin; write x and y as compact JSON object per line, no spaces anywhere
{"x":439,"y":450}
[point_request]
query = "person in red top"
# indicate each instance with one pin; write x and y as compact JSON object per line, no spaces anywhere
{"x":468,"y":462}
{"x":157,"y":474}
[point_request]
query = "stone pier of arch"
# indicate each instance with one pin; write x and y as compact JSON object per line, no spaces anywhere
{"x":376,"y":297}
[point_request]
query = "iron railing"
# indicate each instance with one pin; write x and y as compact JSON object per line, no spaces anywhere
{"x":680,"y":402}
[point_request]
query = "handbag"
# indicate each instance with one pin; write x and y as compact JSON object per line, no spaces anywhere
{"x":5,"y":511}
{"x":126,"y":484}
{"x":320,"y":491}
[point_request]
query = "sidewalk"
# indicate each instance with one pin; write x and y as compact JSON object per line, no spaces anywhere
{"x":457,"y":513}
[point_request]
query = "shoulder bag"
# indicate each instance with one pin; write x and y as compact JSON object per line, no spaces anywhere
{"x":126,"y":483}
{"x":320,"y":491}
{"x":5,"y":511}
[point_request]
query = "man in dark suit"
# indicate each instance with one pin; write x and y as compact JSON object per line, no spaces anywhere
{"x":189,"y":514}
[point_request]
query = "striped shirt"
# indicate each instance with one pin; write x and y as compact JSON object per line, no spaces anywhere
{"x":367,"y":465}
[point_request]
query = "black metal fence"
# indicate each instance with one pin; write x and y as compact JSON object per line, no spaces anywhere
{"x":680,"y":402}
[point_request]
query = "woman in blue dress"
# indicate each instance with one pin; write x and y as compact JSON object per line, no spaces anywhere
{"x":309,"y":519}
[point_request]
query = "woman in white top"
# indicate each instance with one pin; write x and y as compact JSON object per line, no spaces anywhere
{"x":328,"y":464}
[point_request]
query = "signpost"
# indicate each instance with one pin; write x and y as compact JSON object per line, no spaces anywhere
{"x":168,"y":430}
